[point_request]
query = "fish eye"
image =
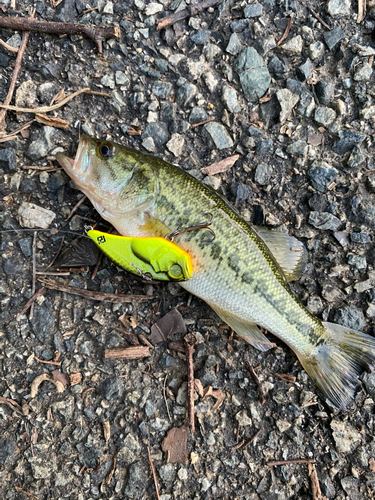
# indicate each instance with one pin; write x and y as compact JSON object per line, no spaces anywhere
{"x":105,"y":150}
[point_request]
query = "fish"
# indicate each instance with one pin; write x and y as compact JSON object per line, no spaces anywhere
{"x":241,"y":271}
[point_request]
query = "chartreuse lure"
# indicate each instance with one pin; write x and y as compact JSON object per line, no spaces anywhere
{"x":151,"y":257}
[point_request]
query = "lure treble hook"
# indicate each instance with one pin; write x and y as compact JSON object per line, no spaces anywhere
{"x":201,"y":225}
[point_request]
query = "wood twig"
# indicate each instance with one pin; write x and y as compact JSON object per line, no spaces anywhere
{"x":189,"y":346}
{"x":76,"y":206}
{"x":327,"y":26}
{"x":315,"y":487}
{"x":261,"y":394}
{"x":165,"y":398}
{"x":132,"y":352}
{"x":191,"y":10}
{"x":7,"y":46}
{"x":361,"y":10}
{"x":12,"y":135}
{"x":287,"y":462}
{"x":90,"y":294}
{"x":96,"y":33}
{"x":247,"y":443}
{"x":34,"y":276}
{"x":41,"y":291}
{"x":286,"y":32}
{"x":153,"y":473}
{"x":17,"y":67}
{"x":46,"y":109}
{"x":56,"y":363}
{"x":56,"y":255}
{"x":202,"y":123}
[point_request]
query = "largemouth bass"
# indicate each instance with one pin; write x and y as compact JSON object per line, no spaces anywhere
{"x":242,"y":273}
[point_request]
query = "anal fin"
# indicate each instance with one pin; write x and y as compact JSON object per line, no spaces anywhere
{"x":247,"y":330}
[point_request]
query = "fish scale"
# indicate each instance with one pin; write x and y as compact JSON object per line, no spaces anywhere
{"x":243,"y":274}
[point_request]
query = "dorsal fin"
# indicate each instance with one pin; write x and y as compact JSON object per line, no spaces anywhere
{"x":289,"y":252}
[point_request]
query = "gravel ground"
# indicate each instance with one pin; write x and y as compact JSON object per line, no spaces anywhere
{"x":300,"y":115}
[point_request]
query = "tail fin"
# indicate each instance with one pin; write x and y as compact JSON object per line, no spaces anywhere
{"x":337,"y":362}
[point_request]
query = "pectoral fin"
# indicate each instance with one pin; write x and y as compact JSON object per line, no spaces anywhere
{"x":289,"y":252}
{"x":246,"y":330}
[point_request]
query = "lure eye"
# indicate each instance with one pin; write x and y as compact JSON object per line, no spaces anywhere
{"x":105,"y":150}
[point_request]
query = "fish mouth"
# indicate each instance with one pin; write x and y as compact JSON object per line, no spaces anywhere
{"x":77,"y":167}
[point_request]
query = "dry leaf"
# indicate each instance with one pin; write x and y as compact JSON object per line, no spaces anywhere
{"x":41,"y":378}
{"x":265,"y":98}
{"x":49,"y":415}
{"x":314,"y":139}
{"x":34,"y":435}
{"x":12,"y":404}
{"x":361,"y":10}
{"x":107,"y":431}
{"x":215,"y":393}
{"x":371,"y":464}
{"x":170,"y":324}
{"x":286,"y":130}
{"x":175,"y":444}
{"x":51,"y":121}
{"x":220,"y":166}
{"x":199,"y":387}
{"x":75,"y":378}
{"x":128,"y":321}
{"x":58,"y":376}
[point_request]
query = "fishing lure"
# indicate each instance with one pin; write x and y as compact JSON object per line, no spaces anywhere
{"x":150,"y":257}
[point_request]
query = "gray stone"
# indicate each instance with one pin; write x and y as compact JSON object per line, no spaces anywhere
{"x":293,"y":46}
{"x":338,"y":8}
{"x":298,"y":148}
{"x":321,"y":174}
{"x":158,"y":131}
{"x":130,"y":449}
{"x":7,"y":449}
{"x":239,"y":25}
{"x":197,"y":115}
{"x":111,"y":388}
{"x":264,"y":147}
{"x":241,"y":192}
{"x":351,"y":485}
{"x":34,"y":216}
{"x":41,"y":143}
{"x":167,"y":361}
{"x":167,"y":472}
{"x":287,"y":101}
{"x":315,"y":305}
{"x":15,"y":41}
{"x":262,"y":174}
{"x":356,"y":158}
{"x":230,"y":99}
{"x":351,"y":317}
{"x":25,"y":245}
{"x":324,"y":221}
{"x":136,"y":481}
{"x":324,"y":116}
{"x":42,"y":324}
{"x":201,"y":37}
{"x":243,"y":418}
{"x":4,"y":60}
{"x":264,"y":45}
{"x":346,"y":437}
{"x":253,"y":73}
{"x":219,"y":135}
{"x":316,"y":50}
{"x":108,"y":80}
{"x":163,"y":90}
{"x":361,"y":238}
{"x":234,"y":46}
{"x":304,"y":71}
{"x":8,"y":160}
{"x":13,"y":266}
{"x":333,"y":37}
{"x":278,"y":67}
{"x":324,"y":91}
{"x":186,"y":94}
{"x":359,"y":261}
{"x":46,"y":91}
{"x":211,"y":51}
{"x":333,"y":295}
{"x":176,"y":144}
{"x":253,"y":10}
{"x":346,"y":141}
{"x":363,"y":72}
{"x":121,"y":78}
